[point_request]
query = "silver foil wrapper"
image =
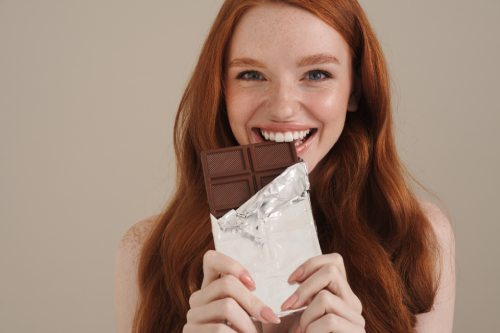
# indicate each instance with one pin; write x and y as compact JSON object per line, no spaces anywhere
{"x":271,"y":235}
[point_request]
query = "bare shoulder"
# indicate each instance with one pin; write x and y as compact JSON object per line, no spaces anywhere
{"x":136,"y":235}
{"x":440,"y":223}
{"x":129,"y":251}
{"x":127,"y":262}
{"x":440,"y":318}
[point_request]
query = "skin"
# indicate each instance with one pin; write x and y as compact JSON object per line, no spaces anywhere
{"x":288,"y":71}
{"x":280,"y":95}
{"x":273,"y":90}
{"x":438,"y":320}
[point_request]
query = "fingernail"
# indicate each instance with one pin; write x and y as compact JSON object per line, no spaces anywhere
{"x":269,"y":315}
{"x":296,"y":274}
{"x":298,"y":330}
{"x":288,"y":304}
{"x":247,"y":279}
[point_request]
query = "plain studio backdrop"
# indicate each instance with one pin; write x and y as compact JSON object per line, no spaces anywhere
{"x":88,"y":94}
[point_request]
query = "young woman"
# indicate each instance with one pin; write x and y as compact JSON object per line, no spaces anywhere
{"x":312,"y":72}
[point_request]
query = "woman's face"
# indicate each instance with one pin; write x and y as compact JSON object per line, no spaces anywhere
{"x":288,"y":78}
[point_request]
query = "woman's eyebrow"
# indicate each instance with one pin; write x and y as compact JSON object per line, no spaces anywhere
{"x":318,"y":59}
{"x":315,"y":59}
{"x":242,"y":62}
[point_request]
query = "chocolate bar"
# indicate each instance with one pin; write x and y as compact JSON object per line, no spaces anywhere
{"x":234,"y":174}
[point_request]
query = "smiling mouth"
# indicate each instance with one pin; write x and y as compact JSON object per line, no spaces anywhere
{"x":300,"y":138}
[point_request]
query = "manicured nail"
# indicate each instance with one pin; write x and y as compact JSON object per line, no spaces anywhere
{"x":269,"y":315}
{"x":297,"y":274}
{"x":289,"y":303}
{"x":247,"y":279}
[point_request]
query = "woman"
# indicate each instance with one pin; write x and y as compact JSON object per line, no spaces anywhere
{"x":312,"y":72}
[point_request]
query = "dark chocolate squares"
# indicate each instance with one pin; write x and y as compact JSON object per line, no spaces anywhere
{"x":234,"y":174}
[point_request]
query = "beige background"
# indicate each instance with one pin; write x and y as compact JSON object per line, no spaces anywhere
{"x":88,"y":91}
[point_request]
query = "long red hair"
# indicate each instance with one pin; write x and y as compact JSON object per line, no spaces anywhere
{"x":363,"y":206}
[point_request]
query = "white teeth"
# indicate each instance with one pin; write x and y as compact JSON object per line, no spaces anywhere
{"x":284,"y":136}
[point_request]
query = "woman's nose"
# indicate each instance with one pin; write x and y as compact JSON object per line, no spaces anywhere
{"x":283,"y":103}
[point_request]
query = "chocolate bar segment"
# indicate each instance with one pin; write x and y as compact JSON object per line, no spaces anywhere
{"x":234,"y":174}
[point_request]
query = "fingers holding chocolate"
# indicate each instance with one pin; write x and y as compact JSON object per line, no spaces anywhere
{"x":225,"y":297}
{"x":312,"y":265}
{"x":229,"y":287}
{"x":327,"y":303}
{"x":224,"y":311}
{"x":322,"y":272}
{"x":328,"y":277}
{"x":216,"y":264}
{"x":332,"y":306}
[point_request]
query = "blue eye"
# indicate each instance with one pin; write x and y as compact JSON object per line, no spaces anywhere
{"x":314,"y":75}
{"x":318,"y":75}
{"x":250,"y":76}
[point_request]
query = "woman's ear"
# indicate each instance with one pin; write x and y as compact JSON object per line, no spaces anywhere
{"x":353,"y":104}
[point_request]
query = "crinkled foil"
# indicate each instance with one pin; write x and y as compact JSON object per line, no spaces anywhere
{"x":271,"y":235}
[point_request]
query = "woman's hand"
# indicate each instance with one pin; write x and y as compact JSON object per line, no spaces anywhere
{"x":332,"y":305}
{"x":225,"y":302}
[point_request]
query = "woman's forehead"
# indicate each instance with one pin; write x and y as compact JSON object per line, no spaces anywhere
{"x":276,"y":30}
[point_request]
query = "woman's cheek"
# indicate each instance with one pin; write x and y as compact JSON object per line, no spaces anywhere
{"x":239,"y":110}
{"x":244,"y":103}
{"x":326,"y":105}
